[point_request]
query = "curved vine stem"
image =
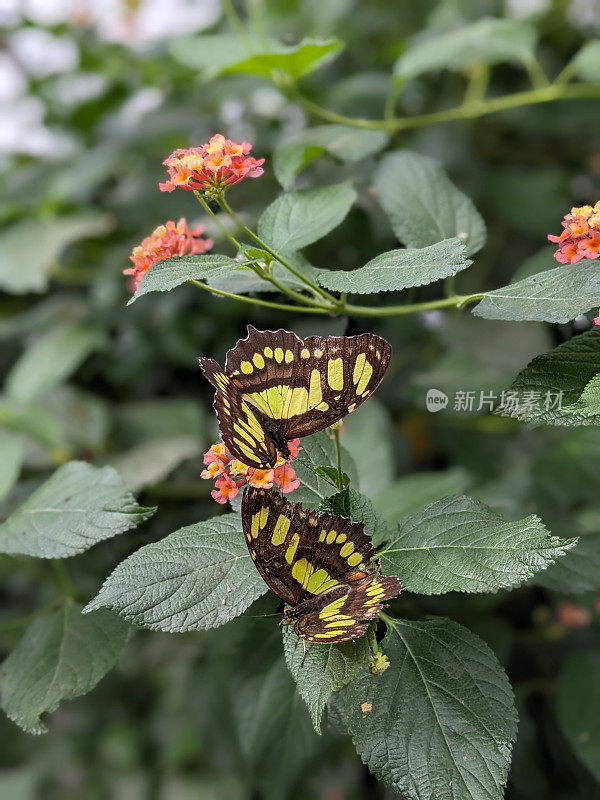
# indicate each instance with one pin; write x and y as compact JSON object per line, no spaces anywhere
{"x":559,"y":90}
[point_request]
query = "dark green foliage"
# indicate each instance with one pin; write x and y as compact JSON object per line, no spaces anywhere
{"x":416,"y":156}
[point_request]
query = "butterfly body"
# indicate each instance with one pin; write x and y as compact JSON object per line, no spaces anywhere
{"x":320,"y":565}
{"x":276,"y":387}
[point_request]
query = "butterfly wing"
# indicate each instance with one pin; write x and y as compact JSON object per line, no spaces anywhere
{"x":301,"y":554}
{"x":307,"y":384}
{"x":240,"y":423}
{"x":348,"y":616}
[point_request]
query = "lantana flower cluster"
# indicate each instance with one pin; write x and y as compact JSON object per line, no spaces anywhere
{"x":170,"y":239}
{"x":580,"y":237}
{"x":212,"y":167}
{"x":230,"y":474}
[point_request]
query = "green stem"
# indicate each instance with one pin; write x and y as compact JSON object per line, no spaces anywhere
{"x":479,"y":77}
{"x":236,"y":23}
{"x":458,"y":301}
{"x":227,"y":208}
{"x":391,"y":100}
{"x":338,"y":455}
{"x":545,"y":94}
{"x":372,"y":637}
{"x":229,"y":236}
{"x":537,"y":76}
{"x":266,"y":303}
{"x":63,"y":580}
{"x":449,"y":286}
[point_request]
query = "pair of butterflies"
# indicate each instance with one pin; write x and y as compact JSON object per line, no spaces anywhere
{"x":276,"y":387}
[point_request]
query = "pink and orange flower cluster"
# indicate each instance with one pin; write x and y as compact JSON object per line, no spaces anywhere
{"x":211,"y":167}
{"x":167,"y":240}
{"x":580,"y":237}
{"x":230,"y":474}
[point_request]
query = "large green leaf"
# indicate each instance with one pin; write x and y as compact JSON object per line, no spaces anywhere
{"x":440,"y":722}
{"x":556,"y":295}
{"x":77,"y":507}
{"x":588,"y":404}
{"x":578,"y":707}
{"x":62,"y":655}
{"x":348,"y":144}
{"x":586,"y":63}
{"x":220,"y":54}
{"x":561,"y":385}
{"x":196,"y":578}
{"x":300,"y":218}
{"x":294,"y":60}
{"x":423,"y":205}
{"x":52,"y":358}
{"x":30,"y":248}
{"x":275,"y":731}
{"x":488,"y":41}
{"x":399,"y":269}
{"x":172,"y":272}
{"x":321,"y":669}
{"x":459,"y":544}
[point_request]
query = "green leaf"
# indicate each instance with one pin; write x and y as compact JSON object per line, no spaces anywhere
{"x":11,"y":459}
{"x":221,"y":54}
{"x":556,"y":295}
{"x":423,"y":205}
{"x":321,"y":669}
{"x":154,"y":460}
{"x":172,"y":272}
{"x":586,"y":63}
{"x":347,"y":144}
{"x":588,"y":404}
{"x":295,"y":61}
{"x":410,"y":492}
{"x":333,"y":475}
{"x":300,"y":218}
{"x":368,"y":436}
{"x":458,"y":544}
{"x":30,"y":248}
{"x":62,"y":655}
{"x":570,"y":368}
{"x":578,"y":571}
{"x":275,"y":731}
{"x":52,"y":358}
{"x":318,"y":450}
{"x":358,"y":508}
{"x":199,"y":577}
{"x":441,"y":721}
{"x":77,"y":507}
{"x":488,"y":41}
{"x":399,"y":269}
{"x":578,"y":707}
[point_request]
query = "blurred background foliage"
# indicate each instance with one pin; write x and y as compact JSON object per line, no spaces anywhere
{"x":93,"y":98}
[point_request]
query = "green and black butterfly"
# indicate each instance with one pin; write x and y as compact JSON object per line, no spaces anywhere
{"x":320,"y":565}
{"x":276,"y":387}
